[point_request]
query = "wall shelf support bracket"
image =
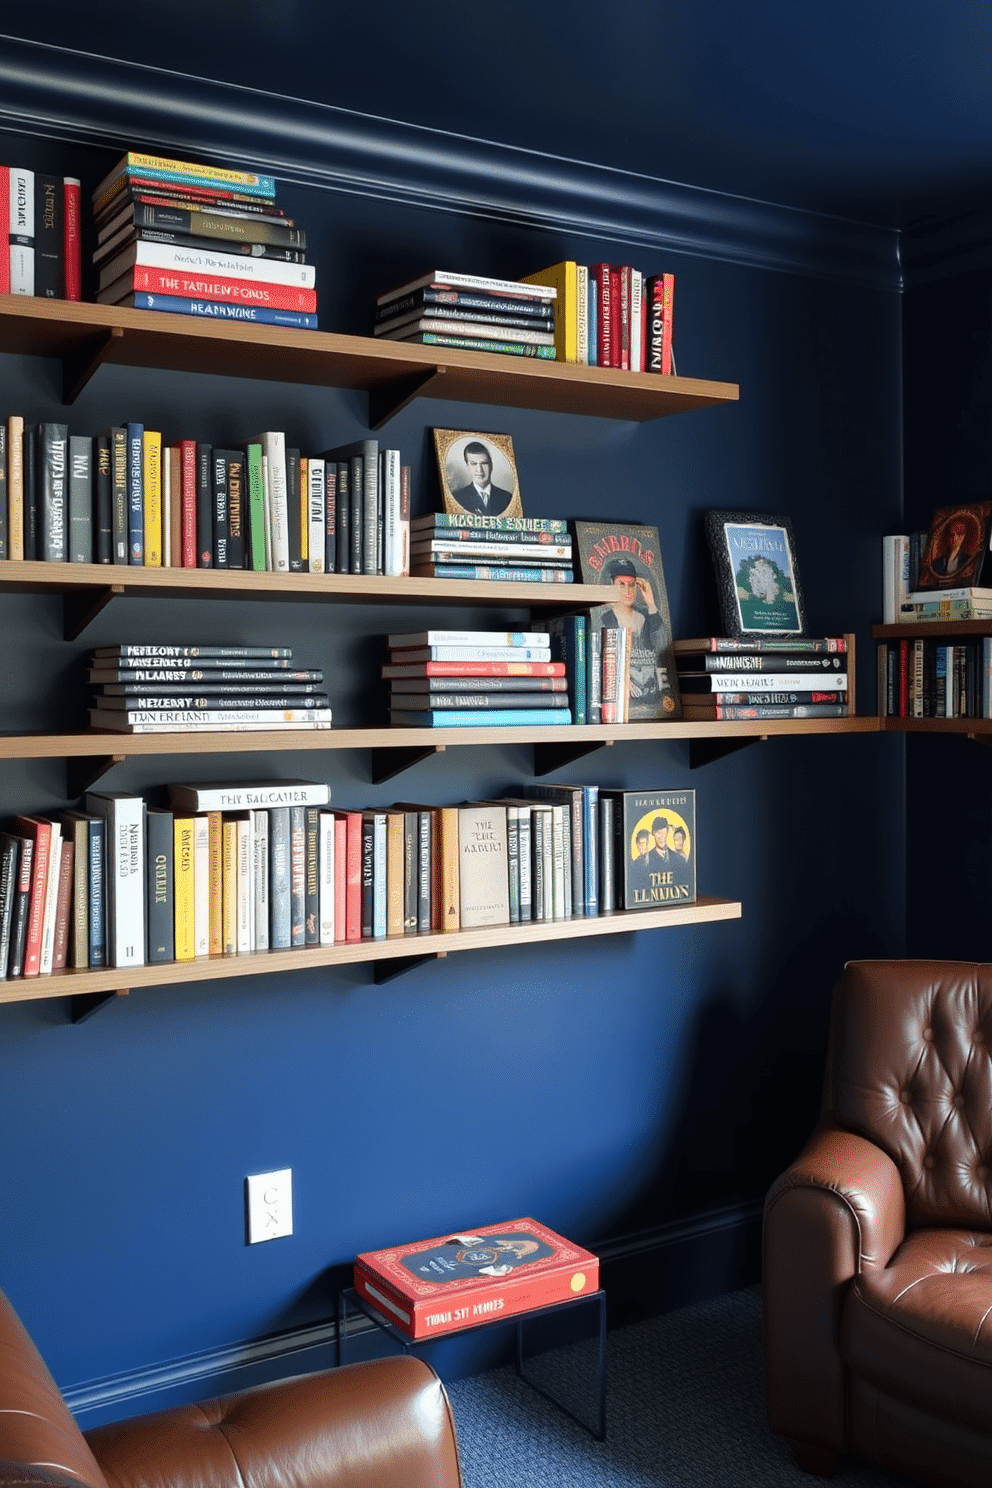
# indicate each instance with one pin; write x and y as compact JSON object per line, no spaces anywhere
{"x":83,"y":773}
{"x":548,"y":757}
{"x":389,"y":762}
{"x":85,"y":1006}
{"x":81,"y":606}
{"x":386,"y":971}
{"x":390,"y":399}
{"x":79,"y":366}
{"x":707,"y":751}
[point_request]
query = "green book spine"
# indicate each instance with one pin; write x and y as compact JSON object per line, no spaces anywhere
{"x":256,"y":508}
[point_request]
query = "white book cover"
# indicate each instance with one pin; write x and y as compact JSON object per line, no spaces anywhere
{"x":248,"y":795}
{"x":201,"y":884}
{"x":274,"y":450}
{"x":636,"y":320}
{"x":483,"y":865}
{"x":379,"y":879}
{"x":204,"y":260}
{"x":315,"y":510}
{"x":267,"y":514}
{"x":558,"y":910}
{"x":390,"y":494}
{"x":260,"y":852}
{"x":326,"y":878}
{"x":125,"y":818}
{"x":21,"y":231}
{"x":246,"y":886}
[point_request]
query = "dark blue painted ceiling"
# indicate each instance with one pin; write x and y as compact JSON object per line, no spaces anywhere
{"x":879,"y":110}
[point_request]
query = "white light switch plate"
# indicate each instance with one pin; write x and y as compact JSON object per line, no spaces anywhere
{"x":270,"y":1205}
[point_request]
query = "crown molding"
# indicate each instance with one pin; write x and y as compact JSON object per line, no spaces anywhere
{"x":95,"y":100}
{"x":946,"y":246}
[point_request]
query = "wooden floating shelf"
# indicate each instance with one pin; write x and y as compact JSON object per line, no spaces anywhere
{"x":85,"y":337}
{"x":111,"y":982}
{"x":973,"y":728}
{"x":931,"y":630}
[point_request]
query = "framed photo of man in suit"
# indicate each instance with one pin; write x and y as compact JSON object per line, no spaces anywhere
{"x":478,"y":473}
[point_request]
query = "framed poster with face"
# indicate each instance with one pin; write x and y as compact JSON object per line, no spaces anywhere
{"x":756,"y":572}
{"x":478,"y":473}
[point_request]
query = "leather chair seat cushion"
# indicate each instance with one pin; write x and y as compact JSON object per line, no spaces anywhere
{"x":920,"y":1328}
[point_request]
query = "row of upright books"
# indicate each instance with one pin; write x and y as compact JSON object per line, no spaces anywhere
{"x":138,"y":689}
{"x":128,"y":496}
{"x":926,"y":678}
{"x":448,"y":545}
{"x":600,"y":315}
{"x":43,"y":254}
{"x":235,"y":869}
{"x":202,"y":240}
{"x":725,"y":678}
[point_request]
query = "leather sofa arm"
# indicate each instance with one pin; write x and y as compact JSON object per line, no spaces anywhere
{"x":838,"y":1209}
{"x":386,"y":1424}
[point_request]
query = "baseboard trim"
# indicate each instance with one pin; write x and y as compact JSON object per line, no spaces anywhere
{"x":644,"y":1272}
{"x":62,"y":94}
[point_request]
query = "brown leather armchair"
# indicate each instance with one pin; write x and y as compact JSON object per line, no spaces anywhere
{"x":381,"y":1425}
{"x":877,"y":1285}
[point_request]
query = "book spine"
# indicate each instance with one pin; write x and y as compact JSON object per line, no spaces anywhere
{"x":257,"y":558}
{"x":103,"y":499}
{"x":5,"y":250}
{"x":660,"y":292}
{"x":311,"y":847}
{"x":395,"y":872}
{"x":218,"y":471}
{"x":8,"y":889}
{"x":201,"y":884}
{"x":280,"y":869}
{"x":53,"y":471}
{"x":343,"y":540}
{"x":39,"y":833}
{"x":450,"y":878}
{"x":135,"y":494}
{"x":147,"y":254}
{"x":478,"y":343}
{"x":22,"y":906}
{"x":159,"y":838}
{"x":315,"y":515}
{"x":354,"y":834}
{"x":32,"y":522}
{"x":98,"y":891}
{"x":236,"y":510}
{"x":469,"y":717}
{"x":260,"y":878}
{"x":48,"y":927}
{"x":330,"y":516}
{"x":356,"y":498}
{"x":162,"y":168}
{"x":21,"y":192}
{"x":340,"y":885}
{"x":80,"y":504}
{"x":4,"y":497}
{"x":368,"y":875}
{"x":193,"y":798}
{"x":260,"y":293}
{"x":72,"y":238}
{"x":326,"y":878}
{"x":185,"y":897}
{"x":297,"y":875}
{"x":251,"y":228}
{"x":245,"y":895}
{"x":506,"y":575}
{"x":219,"y":310}
{"x":49,"y":237}
{"x":274,"y":448}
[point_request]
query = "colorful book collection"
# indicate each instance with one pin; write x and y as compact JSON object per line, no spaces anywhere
{"x":926,"y":678}
{"x":44,"y":256}
{"x":600,"y":315}
{"x":234,"y":869}
{"x":903,"y":601}
{"x":192,"y":239}
{"x":129,"y":495}
{"x":204,"y":689}
{"x":771,"y":677}
{"x":534,"y":550}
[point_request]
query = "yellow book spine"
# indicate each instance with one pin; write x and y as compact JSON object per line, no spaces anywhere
{"x":15,"y":486}
{"x":136,"y":161}
{"x":450,"y":878}
{"x":230,"y":900}
{"x":215,"y":830}
{"x":564,"y":277}
{"x":395,"y":871}
{"x":152,"y":476}
{"x":184,"y":889}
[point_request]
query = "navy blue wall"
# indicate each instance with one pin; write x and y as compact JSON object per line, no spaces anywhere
{"x":624,"y":1090}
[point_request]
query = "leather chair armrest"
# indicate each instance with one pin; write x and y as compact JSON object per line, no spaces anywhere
{"x":838,"y":1209}
{"x":386,"y":1423}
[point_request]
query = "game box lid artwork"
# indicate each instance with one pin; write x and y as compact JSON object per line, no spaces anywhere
{"x":656,"y":844}
{"x":457,"y":1281}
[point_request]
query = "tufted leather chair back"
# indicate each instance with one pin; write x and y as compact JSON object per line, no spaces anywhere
{"x":910,"y":1068}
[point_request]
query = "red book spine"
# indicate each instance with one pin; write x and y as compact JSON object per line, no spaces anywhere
{"x":5,"y":220}
{"x":624,"y":276}
{"x":187,"y":465}
{"x":353,"y":876}
{"x":73,"y":238}
{"x":214,"y":287}
{"x":660,"y":303}
{"x":604,"y":344}
{"x":40,"y":833}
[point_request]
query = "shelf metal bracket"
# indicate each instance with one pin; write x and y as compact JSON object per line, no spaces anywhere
{"x":707,"y":751}
{"x":393,"y":761}
{"x":392,"y":397}
{"x":80,"y":607}
{"x":548,"y":757}
{"x":79,"y":366}
{"x":85,"y":1006}
{"x":387,"y":971}
{"x":82,"y":772}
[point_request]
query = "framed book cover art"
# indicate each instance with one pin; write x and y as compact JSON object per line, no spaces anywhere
{"x":629,"y":557}
{"x":956,"y":552}
{"x":656,"y":842}
{"x":478,"y":473}
{"x":757,"y":574}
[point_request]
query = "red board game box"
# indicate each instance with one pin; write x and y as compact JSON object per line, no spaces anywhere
{"x":457,"y":1281}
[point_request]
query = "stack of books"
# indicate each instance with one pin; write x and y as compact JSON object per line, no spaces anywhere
{"x":44,"y":257}
{"x":199,"y":240}
{"x":535,"y":550}
{"x":458,"y":678}
{"x":926,"y":678}
{"x":610,"y":315}
{"x":198,"y":689}
{"x":469,"y":311}
{"x":724,"y":678}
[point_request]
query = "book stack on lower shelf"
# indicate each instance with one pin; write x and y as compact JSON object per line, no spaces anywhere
{"x":458,"y":678}
{"x":210,"y":689}
{"x":721,"y":677}
{"x":535,"y":550}
{"x":470,"y":311}
{"x":193,"y":239}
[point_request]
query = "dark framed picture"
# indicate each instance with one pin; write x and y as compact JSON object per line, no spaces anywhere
{"x":629,"y":558}
{"x":478,"y":473}
{"x":957,"y":547}
{"x":756,"y":572}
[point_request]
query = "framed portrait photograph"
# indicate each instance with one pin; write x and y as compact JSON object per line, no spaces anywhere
{"x":956,"y":551}
{"x":478,"y":473}
{"x":756,"y":572}
{"x":629,"y":558}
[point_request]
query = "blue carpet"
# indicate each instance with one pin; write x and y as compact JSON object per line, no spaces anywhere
{"x":685,"y":1409}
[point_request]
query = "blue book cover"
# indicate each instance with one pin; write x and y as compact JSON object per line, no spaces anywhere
{"x":590,"y":801}
{"x":254,"y":185}
{"x":135,"y":495}
{"x":221,"y":310}
{"x":280,"y":935}
{"x":470,"y":717}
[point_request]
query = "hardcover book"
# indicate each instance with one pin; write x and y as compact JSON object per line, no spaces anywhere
{"x":654,"y":847}
{"x":438,"y":1286}
{"x":483,"y":874}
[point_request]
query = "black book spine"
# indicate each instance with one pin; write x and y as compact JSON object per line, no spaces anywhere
{"x":297,"y":875}
{"x":411,"y":870}
{"x":8,"y":888}
{"x":194,"y":240}
{"x":311,"y":923}
{"x":344,"y":517}
{"x":425,"y":871}
{"x":22,"y":900}
{"x":221,"y":529}
{"x":294,"y":524}
{"x":356,"y":479}
{"x":210,"y":225}
{"x":97,"y":894}
{"x":103,"y":499}
{"x":280,"y":927}
{"x":30,"y":477}
{"x":160,"y":928}
{"x":368,"y":876}
{"x":118,"y":479}
{"x":49,"y":237}
{"x":204,"y":507}
{"x":330,"y":517}
{"x":80,"y":498}
{"x":52,"y":477}
{"x":237,"y":509}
